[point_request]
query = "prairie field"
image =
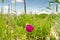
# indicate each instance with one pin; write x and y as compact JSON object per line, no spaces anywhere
{"x":46,"y":27}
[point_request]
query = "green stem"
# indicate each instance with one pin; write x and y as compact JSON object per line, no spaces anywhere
{"x":8,"y":8}
{"x":56,"y":7}
{"x":25,"y":6}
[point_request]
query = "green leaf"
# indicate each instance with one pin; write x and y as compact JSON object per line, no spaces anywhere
{"x":56,"y":7}
{"x":2,"y":1}
{"x":56,"y":0}
{"x":49,"y":8}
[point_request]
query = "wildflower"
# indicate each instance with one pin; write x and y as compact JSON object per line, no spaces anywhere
{"x":29,"y":28}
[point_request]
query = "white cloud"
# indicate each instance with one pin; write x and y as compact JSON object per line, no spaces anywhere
{"x":36,"y":11}
{"x":59,"y":5}
{"x":59,"y":0}
{"x":19,"y":0}
{"x":39,"y":11}
{"x":43,"y":12}
{"x":13,"y":1}
{"x":5,"y":9}
{"x":18,"y":12}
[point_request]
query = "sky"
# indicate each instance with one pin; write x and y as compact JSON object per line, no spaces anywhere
{"x":31,"y":6}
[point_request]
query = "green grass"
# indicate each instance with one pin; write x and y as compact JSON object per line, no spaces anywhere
{"x":16,"y":26}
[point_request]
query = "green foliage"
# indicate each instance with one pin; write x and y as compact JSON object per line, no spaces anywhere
{"x":56,"y":0}
{"x":16,"y":26}
{"x":2,"y":1}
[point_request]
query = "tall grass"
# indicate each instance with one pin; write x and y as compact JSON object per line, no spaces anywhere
{"x":46,"y":27}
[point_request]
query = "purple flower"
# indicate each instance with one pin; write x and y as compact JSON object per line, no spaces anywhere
{"x":29,"y":28}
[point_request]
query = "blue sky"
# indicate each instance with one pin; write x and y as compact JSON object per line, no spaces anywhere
{"x":32,"y":5}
